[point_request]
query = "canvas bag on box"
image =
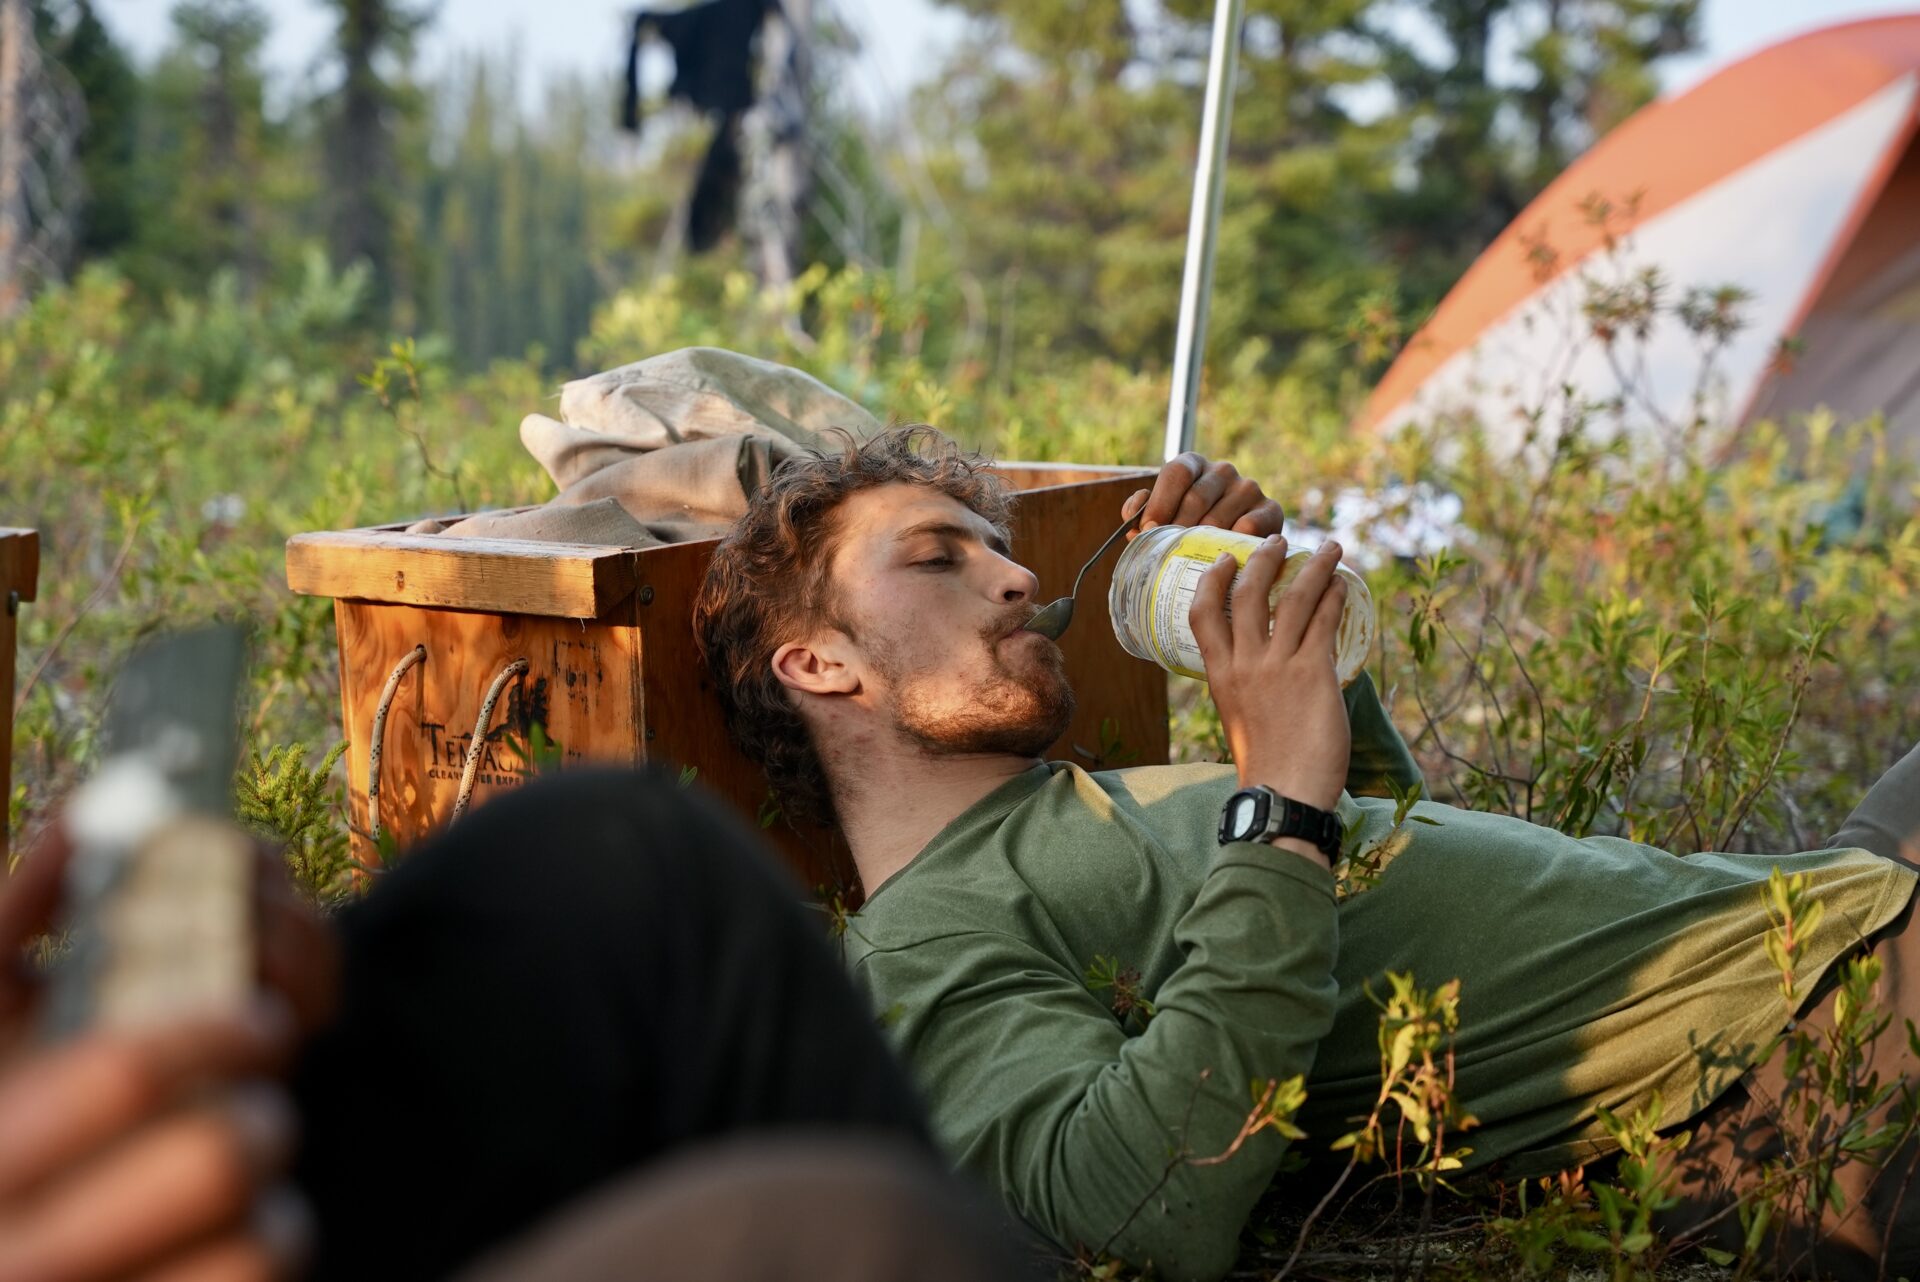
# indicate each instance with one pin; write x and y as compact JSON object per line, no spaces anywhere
{"x":667,"y":449}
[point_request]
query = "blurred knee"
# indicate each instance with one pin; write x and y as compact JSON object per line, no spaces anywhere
{"x":776,"y":1206}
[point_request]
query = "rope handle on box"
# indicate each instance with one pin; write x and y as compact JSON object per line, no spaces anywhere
{"x":471,"y":770}
{"x":377,"y":739}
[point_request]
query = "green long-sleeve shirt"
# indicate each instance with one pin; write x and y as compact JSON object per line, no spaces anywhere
{"x":1594,"y":973}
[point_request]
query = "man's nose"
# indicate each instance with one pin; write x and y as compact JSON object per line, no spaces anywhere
{"x":1014,"y":582}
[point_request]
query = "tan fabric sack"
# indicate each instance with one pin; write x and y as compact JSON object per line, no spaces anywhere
{"x":667,"y":449}
{"x":696,"y":393}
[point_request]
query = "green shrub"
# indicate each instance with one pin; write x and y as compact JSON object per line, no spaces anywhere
{"x":300,"y":807}
{"x":1695,"y":655}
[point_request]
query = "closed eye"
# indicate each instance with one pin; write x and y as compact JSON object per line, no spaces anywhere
{"x":936,"y":563}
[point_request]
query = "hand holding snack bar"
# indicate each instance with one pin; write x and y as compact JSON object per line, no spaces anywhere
{"x":149,"y":1151}
{"x":142,"y":1131}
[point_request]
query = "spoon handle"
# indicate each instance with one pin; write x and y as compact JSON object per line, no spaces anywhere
{"x":1094,"y":560}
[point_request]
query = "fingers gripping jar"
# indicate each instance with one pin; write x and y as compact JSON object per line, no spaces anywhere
{"x":1153,"y":587}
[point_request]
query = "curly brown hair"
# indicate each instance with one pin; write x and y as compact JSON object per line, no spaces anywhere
{"x":767,"y":584}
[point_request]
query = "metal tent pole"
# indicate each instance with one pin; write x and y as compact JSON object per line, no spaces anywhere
{"x":1203,"y":227}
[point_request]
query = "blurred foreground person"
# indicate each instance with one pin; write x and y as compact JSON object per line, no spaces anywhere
{"x":587,"y":1032}
{"x":865,"y":624}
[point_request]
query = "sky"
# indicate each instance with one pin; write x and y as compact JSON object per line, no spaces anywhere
{"x":904,"y":39}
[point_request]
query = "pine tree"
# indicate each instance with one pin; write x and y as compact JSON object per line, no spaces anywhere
{"x":225,"y":38}
{"x":110,"y":90}
{"x":1482,"y":142}
{"x":364,"y":181}
{"x":517,"y":243}
{"x":202,"y":190}
{"x":1069,"y":162}
{"x":1377,"y":147}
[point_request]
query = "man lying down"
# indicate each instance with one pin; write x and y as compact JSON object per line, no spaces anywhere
{"x":864,"y":626}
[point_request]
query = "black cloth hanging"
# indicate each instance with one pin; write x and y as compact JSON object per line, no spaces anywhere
{"x":712,"y":46}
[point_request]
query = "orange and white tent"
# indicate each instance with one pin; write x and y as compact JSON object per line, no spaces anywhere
{"x":1794,"y":174}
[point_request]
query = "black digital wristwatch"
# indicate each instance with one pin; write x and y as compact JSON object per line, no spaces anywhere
{"x":1261,"y":814}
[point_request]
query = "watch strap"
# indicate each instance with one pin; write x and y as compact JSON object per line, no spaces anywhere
{"x":1276,"y":815}
{"x":1317,"y":827}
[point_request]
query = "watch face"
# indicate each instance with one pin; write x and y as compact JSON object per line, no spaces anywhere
{"x":1243,"y":814}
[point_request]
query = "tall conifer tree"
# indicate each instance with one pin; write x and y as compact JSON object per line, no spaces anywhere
{"x":1377,"y":147}
{"x":372,"y":37}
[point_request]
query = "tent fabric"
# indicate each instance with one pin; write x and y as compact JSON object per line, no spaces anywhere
{"x":1860,"y":345}
{"x":1794,"y":174}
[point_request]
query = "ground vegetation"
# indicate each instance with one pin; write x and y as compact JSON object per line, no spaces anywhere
{"x":1683,"y":633}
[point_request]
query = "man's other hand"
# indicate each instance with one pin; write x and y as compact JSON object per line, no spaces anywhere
{"x":1271,"y":671}
{"x":150,"y":1153}
{"x":1192,"y":491}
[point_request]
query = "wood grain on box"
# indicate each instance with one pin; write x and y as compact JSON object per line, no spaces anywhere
{"x":567,"y":580}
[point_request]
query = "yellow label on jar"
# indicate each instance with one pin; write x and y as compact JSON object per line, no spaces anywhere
{"x":1168,"y":630}
{"x":1169,"y":601}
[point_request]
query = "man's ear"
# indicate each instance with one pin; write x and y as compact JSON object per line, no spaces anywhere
{"x":815,"y":667}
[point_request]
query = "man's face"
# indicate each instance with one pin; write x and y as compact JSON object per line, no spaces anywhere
{"x":933,"y":608}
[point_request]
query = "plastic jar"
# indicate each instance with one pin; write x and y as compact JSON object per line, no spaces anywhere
{"x":1153,"y":587}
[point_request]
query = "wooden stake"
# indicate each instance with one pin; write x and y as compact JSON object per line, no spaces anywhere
{"x":19,"y":576}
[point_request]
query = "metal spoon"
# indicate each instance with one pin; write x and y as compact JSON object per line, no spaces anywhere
{"x":1052,"y":620}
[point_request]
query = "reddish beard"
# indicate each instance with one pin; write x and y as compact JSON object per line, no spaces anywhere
{"x":1018,"y":713}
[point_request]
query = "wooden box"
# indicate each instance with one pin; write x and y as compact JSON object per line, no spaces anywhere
{"x":596,"y":645}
